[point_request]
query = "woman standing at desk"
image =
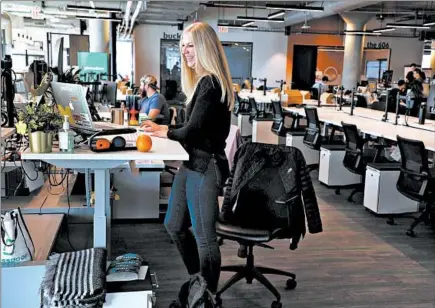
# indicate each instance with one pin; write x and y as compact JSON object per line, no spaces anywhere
{"x":207,"y":83}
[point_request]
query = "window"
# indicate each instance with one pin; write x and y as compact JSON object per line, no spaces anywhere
{"x":170,"y":68}
{"x":124,"y":58}
{"x":375,"y":69}
{"x":239,"y":57}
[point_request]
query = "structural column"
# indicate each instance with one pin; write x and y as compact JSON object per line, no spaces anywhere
{"x":353,"y":48}
{"x":432,"y":58}
{"x":99,"y":35}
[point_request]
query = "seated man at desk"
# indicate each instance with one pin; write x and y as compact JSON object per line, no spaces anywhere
{"x":153,"y":103}
{"x":321,"y":86}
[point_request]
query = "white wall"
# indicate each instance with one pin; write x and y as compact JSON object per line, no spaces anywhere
{"x":147,"y":49}
{"x":268,"y":55}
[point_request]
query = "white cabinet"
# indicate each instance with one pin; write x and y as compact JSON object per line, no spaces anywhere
{"x":380,"y":193}
{"x":296,"y":139}
{"x":331,"y":169}
{"x":244,"y":125}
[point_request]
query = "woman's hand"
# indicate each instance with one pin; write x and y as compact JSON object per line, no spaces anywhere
{"x":150,"y":126}
{"x":160,"y":134}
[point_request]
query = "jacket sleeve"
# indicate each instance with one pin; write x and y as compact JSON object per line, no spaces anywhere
{"x":309,"y":196}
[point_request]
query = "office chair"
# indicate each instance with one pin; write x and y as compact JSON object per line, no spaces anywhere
{"x":314,"y":93}
{"x":278,"y":125}
{"x":261,"y":215}
{"x":356,"y":158}
{"x":257,"y":114}
{"x":416,"y":181}
{"x":241,"y":106}
{"x":312,"y":137}
{"x":378,"y":105}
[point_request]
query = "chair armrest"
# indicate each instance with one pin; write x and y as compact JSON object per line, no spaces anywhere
{"x":288,"y":201}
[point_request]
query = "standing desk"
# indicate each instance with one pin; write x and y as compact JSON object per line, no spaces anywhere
{"x":101,"y":163}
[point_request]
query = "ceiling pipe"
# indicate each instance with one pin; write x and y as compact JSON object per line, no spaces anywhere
{"x":330,"y":8}
{"x":127,"y":16}
{"x":135,"y":14}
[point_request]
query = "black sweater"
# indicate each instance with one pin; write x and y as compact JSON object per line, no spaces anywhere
{"x":208,"y":120}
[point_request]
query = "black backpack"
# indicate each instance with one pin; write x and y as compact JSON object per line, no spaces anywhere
{"x":194,"y":294}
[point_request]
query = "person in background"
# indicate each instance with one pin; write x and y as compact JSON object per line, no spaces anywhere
{"x":207,"y":83}
{"x":401,"y":90}
{"x":415,"y":93}
{"x":410,"y":75}
{"x":321,"y":86}
{"x":153,"y":103}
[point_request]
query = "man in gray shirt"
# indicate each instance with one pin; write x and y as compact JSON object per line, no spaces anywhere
{"x":153,"y":103}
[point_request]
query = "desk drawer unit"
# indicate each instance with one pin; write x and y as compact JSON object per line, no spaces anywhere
{"x":296,"y":139}
{"x":381,"y":195}
{"x":331,"y":169}
{"x":244,"y":125}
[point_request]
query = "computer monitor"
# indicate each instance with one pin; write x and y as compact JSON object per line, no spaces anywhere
{"x":71,"y":100}
{"x":57,"y":60}
{"x":387,"y":77}
{"x":110,"y":90}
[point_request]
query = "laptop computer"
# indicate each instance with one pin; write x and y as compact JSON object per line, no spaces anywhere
{"x":71,"y":101}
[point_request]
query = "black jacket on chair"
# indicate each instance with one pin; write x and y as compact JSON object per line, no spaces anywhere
{"x":293,"y":179}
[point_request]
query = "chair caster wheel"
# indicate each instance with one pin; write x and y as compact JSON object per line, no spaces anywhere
{"x":410,"y":233}
{"x":175,"y":304}
{"x":337,"y":191}
{"x":276,"y":304}
{"x":218,"y":301}
{"x":291,"y":284}
{"x":391,"y":221}
{"x":349,"y":199}
{"x":220,"y":241}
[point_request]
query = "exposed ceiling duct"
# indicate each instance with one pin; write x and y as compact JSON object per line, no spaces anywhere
{"x":330,"y":8}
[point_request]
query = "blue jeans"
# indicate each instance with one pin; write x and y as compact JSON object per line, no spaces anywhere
{"x":194,"y":202}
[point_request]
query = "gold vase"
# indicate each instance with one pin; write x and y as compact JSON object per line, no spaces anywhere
{"x":41,"y":142}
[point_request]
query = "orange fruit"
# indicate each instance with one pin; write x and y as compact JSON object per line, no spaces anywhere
{"x":144,"y":143}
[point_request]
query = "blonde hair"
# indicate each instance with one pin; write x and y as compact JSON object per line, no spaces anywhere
{"x":210,"y":57}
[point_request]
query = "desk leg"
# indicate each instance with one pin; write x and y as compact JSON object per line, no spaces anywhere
{"x":102,"y":210}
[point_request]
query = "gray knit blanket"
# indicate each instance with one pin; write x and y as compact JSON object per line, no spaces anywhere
{"x":75,"y":280}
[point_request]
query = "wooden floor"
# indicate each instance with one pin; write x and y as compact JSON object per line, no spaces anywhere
{"x":43,"y":229}
{"x":358,"y":261}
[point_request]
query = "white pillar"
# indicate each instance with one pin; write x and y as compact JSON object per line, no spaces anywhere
{"x":432,"y":58}
{"x":99,"y":35}
{"x":353,"y":48}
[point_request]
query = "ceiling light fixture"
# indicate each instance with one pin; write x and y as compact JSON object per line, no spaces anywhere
{"x":276,"y":14}
{"x":408,"y":26}
{"x":295,"y":7}
{"x":237,"y":26}
{"x":102,"y":18}
{"x":249,"y":23}
{"x":430,"y":23}
{"x":385,"y":29}
{"x":92,"y":4}
{"x":265,"y":19}
{"x":361,"y":32}
{"x":88,"y":8}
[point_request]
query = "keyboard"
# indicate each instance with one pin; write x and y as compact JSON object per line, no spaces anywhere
{"x":107,"y":126}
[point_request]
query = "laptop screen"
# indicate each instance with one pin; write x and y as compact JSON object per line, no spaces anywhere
{"x":71,"y":101}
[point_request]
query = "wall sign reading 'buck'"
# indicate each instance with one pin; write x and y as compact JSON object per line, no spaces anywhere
{"x":378,"y":45}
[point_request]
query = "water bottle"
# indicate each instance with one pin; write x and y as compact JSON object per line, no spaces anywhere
{"x":422,"y":113}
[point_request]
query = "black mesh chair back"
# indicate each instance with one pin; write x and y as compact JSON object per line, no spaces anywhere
{"x":254,"y":109}
{"x":378,"y":106}
{"x":415,"y":174}
{"x":314,"y":93}
{"x":236,"y":109}
{"x":278,"y":119}
{"x":353,"y":158}
{"x":312,"y":137}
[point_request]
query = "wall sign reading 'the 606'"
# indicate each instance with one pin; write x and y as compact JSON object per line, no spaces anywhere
{"x":378,"y":45}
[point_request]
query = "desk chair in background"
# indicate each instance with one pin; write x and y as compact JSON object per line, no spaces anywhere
{"x":356,"y":157}
{"x":256,"y":114}
{"x":279,"y":126}
{"x":261,"y":209}
{"x":416,"y":180}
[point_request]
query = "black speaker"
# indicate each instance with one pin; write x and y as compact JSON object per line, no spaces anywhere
{"x":287,"y":30}
{"x":83,"y":26}
{"x":180,"y":27}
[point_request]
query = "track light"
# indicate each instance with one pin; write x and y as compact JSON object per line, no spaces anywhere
{"x":247,"y":18}
{"x":276,"y":14}
{"x":408,"y":26}
{"x":294,"y":7}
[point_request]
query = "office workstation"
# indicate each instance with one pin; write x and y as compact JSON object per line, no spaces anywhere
{"x":241,"y":154}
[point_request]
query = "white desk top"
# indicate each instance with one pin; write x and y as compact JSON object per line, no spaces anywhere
{"x":372,"y":127}
{"x":162,"y":149}
{"x":7,"y":132}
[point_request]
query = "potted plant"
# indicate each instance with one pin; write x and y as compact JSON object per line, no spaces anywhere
{"x":41,"y":123}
